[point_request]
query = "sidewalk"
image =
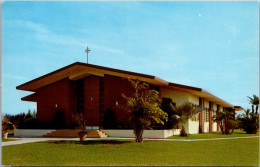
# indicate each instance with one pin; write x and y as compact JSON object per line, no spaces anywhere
{"x":32,"y":140}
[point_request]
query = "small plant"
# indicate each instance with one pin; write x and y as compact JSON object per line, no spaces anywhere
{"x":80,"y":120}
{"x":185,"y":112}
{"x":6,"y":127}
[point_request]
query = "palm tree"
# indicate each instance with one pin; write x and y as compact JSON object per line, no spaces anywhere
{"x":185,"y":112}
{"x":255,"y":102}
{"x":144,"y":108}
{"x":246,"y":113}
{"x":249,"y":121}
{"x":226,"y":121}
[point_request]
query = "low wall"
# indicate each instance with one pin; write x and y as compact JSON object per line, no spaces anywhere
{"x":214,"y":127}
{"x":146,"y":134}
{"x":111,"y":133}
{"x":206,"y":127}
{"x":31,"y":132}
{"x":193,"y":127}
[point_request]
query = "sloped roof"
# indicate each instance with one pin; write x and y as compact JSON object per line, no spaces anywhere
{"x":80,"y":70}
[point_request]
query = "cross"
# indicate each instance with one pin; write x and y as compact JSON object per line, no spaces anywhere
{"x":87,"y":51}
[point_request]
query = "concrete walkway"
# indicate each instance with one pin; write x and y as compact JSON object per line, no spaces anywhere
{"x":32,"y":140}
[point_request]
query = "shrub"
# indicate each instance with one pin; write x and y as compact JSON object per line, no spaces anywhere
{"x":249,"y":122}
{"x":168,"y":106}
{"x":23,"y":120}
{"x":226,"y":121}
{"x":7,"y":125}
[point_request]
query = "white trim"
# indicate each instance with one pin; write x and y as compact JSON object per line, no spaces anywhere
{"x":147,"y":133}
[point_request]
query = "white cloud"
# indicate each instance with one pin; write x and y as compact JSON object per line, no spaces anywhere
{"x":45,"y":34}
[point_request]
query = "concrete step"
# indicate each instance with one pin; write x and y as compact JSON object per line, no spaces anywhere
{"x":74,"y":133}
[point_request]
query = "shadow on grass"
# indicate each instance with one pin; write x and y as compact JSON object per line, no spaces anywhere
{"x":92,"y":142}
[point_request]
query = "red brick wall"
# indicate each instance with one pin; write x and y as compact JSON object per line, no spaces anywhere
{"x":91,"y":85}
{"x":63,"y":93}
{"x":113,"y":89}
{"x":60,"y":93}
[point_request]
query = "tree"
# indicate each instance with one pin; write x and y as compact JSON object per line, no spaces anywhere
{"x":249,"y":121}
{"x":254,"y":101}
{"x":168,"y":106}
{"x":144,"y":108}
{"x":23,"y":120}
{"x":226,"y":121}
{"x":185,"y":112}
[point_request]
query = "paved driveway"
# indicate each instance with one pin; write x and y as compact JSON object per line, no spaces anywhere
{"x":32,"y":140}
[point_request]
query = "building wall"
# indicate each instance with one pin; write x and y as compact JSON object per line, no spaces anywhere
{"x":194,"y":99}
{"x":178,"y":97}
{"x":214,"y":106}
{"x":60,"y":93}
{"x":91,"y":88}
{"x":206,"y":103}
{"x":114,"y":87}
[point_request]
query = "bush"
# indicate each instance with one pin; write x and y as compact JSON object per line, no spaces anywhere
{"x":249,"y":122}
{"x":168,"y":106}
{"x":23,"y":120}
{"x":7,"y":126}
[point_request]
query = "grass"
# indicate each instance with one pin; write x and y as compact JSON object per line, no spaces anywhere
{"x":236,"y":133}
{"x":234,"y":152}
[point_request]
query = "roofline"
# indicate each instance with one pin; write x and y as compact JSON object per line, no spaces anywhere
{"x":51,"y":73}
{"x":185,"y":86}
{"x":93,"y":66}
{"x":238,"y":108}
{"x":199,"y":90}
{"x":128,"y":73}
{"x":206,"y":92}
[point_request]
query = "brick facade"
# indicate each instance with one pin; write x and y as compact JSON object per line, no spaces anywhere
{"x":53,"y":97}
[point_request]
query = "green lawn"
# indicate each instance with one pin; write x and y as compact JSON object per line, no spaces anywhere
{"x":234,"y":152}
{"x":236,"y":133}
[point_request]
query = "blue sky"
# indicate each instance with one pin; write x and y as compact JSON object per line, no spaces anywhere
{"x":211,"y":45}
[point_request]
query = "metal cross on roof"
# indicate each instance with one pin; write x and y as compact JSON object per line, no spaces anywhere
{"x":87,"y":51}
